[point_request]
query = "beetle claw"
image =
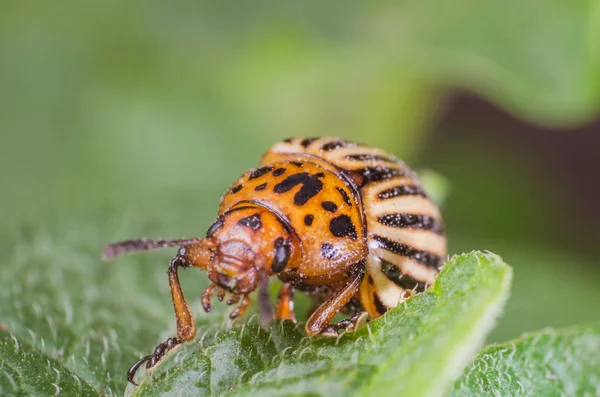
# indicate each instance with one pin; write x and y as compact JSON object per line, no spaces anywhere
{"x":241,"y":309}
{"x":233,"y":300}
{"x":206,"y":297}
{"x":152,"y":359}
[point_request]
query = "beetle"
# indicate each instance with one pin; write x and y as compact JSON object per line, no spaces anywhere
{"x":346,"y":223}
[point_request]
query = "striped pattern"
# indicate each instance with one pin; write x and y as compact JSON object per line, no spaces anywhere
{"x":407,"y":246}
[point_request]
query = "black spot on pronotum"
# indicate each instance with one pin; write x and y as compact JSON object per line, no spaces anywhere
{"x":424,"y":257}
{"x":215,"y":226}
{"x":290,"y":182}
{"x":402,"y":190}
{"x":288,"y":140}
{"x":308,"y":220}
{"x":310,"y":188}
{"x":281,"y":256}
{"x":278,"y":171}
{"x":307,"y":141}
{"x":260,"y":172}
{"x":260,"y":187}
{"x":252,"y":221}
{"x":342,"y":226}
{"x":329,"y":206}
{"x":328,"y":251}
{"x":412,"y":221}
{"x":344,"y":196}
{"x":236,"y":189}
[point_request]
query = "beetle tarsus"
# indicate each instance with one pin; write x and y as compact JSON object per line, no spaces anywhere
{"x":221,"y":294}
{"x":348,"y":324}
{"x":152,"y":359}
{"x":241,"y":309}
{"x":134,"y":368}
{"x":206,"y":297}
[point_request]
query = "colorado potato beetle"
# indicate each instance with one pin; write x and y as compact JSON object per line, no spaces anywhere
{"x":346,"y":223}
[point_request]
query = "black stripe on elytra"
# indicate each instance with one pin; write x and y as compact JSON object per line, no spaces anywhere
{"x":370,"y":157}
{"x":217,"y":224}
{"x":328,"y":251}
{"x":344,"y":196}
{"x":376,"y":174}
{"x":329,"y":146}
{"x":411,"y":221}
{"x":400,"y":279}
{"x":235,"y":189}
{"x":329,"y":206}
{"x":381,"y":308}
{"x":252,"y":221}
{"x":424,"y":257}
{"x":281,"y":256}
{"x":342,"y":226}
{"x":260,"y":172}
{"x":278,"y":171}
{"x":308,"y":219}
{"x":402,"y":190}
{"x":296,"y":163}
{"x":260,"y":187}
{"x":307,"y":141}
{"x":310,"y":188}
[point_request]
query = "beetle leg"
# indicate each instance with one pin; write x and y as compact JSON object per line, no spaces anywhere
{"x":321,"y":318}
{"x":284,"y":308}
{"x":349,"y":324}
{"x":186,"y":327}
{"x":206,"y":304}
{"x":241,"y":309}
{"x":233,"y":299}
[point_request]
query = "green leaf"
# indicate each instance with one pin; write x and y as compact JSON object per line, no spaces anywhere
{"x":547,"y":363}
{"x":26,"y":371}
{"x":276,"y":69}
{"x":538,"y":59}
{"x":437,"y":332}
{"x":92,"y":317}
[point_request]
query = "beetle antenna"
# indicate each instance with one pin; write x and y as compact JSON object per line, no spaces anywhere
{"x":143,"y":244}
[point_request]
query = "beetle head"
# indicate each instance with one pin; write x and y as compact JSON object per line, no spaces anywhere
{"x":250,"y":244}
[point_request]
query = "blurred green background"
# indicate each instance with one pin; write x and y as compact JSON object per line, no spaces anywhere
{"x":134,"y":117}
